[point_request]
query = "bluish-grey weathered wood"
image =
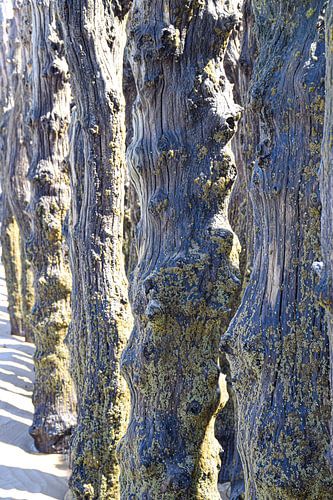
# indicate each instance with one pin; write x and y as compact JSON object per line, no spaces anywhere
{"x":15,"y":226}
{"x":186,"y":281}
{"x":277,"y":343}
{"x":95,"y":35}
{"x":326,"y":196}
{"x":53,"y":395}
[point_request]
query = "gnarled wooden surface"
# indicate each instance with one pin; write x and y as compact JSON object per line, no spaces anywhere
{"x":53,"y":396}
{"x":16,"y":183}
{"x":94,"y":33}
{"x":9,"y":152}
{"x":326,"y":196}
{"x":278,"y":346}
{"x":186,"y":279}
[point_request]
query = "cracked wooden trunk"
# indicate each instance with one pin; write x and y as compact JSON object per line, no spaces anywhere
{"x":326,"y":194}
{"x":14,"y":151}
{"x":11,"y":259}
{"x":53,"y":395}
{"x":277,"y":343}
{"x":186,"y":281}
{"x":18,"y":164}
{"x":10,"y":238}
{"x":18,"y":155}
{"x":94,"y":39}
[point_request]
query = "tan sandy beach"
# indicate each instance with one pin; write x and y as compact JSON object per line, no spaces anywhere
{"x":24,"y":474}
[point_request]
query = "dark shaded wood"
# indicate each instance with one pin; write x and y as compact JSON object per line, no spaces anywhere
{"x":186,"y":281}
{"x":277,"y":343}
{"x":325,"y":268}
{"x":95,"y":35}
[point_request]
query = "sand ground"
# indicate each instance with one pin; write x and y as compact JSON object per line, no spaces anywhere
{"x":24,"y":473}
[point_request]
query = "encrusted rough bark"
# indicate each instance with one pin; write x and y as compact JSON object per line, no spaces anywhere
{"x":10,"y":238}
{"x":95,"y":34}
{"x":277,"y":343}
{"x":132,"y":208}
{"x":53,"y":395}
{"x":27,"y":291}
{"x":11,"y":259}
{"x":18,"y":153}
{"x":14,"y":167}
{"x":186,"y":281}
{"x":326,"y":195}
{"x":76,"y":332}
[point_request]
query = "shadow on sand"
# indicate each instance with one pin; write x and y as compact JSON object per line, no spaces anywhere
{"x":24,"y":473}
{"x":33,"y":483}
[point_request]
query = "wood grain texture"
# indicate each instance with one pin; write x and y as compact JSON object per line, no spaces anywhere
{"x":277,"y":343}
{"x":94,"y":34}
{"x":184,"y":286}
{"x":19,"y":153}
{"x":9,"y":151}
{"x":53,"y":396}
{"x":326,"y":196}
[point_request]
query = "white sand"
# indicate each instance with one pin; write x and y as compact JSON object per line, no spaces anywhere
{"x":24,"y":474}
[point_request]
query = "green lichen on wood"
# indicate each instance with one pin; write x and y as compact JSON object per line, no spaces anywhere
{"x":277,"y":343}
{"x":185,"y":285}
{"x":53,"y":395}
{"x":94,"y":33}
{"x":11,"y":153}
{"x":19,"y":277}
{"x":325,"y":287}
{"x":11,"y":259}
{"x":27,"y":291}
